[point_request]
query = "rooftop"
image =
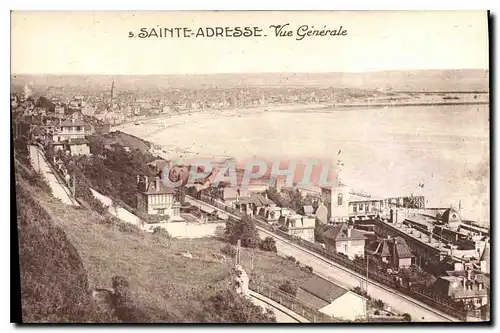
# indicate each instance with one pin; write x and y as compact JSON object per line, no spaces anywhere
{"x":323,"y":289}
{"x":339,"y":233}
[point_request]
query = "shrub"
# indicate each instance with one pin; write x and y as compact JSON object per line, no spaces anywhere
{"x":225,"y":306}
{"x":379,"y":304}
{"x":268,"y":244}
{"x":291,"y":258}
{"x":161,"y":232}
{"x":407,"y":316}
{"x":376,"y":313}
{"x":288,"y":288}
{"x":229,"y":250}
{"x":309,"y":268}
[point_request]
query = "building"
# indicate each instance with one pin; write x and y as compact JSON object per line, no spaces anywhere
{"x":394,"y":251}
{"x":465,"y":286}
{"x":154,"y":198}
{"x":78,"y":146}
{"x":298,"y":225}
{"x":69,"y":129}
{"x":252,"y":204}
{"x":432,"y":234}
{"x":345,"y":239}
{"x":331,"y":299}
{"x":343,"y":205}
{"x":271,"y":214}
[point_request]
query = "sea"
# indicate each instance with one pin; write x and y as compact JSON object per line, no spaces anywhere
{"x":440,"y":152}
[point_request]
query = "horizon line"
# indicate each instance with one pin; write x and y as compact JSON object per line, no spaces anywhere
{"x":255,"y":73}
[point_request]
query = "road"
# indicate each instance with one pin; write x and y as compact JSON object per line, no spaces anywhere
{"x":349,"y":279}
{"x":58,"y":190}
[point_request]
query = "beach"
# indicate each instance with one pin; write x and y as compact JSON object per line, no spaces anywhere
{"x":441,"y":152}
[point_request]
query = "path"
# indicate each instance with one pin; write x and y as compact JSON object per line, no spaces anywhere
{"x":59,"y":190}
{"x":283,"y":314}
{"x":117,"y":211}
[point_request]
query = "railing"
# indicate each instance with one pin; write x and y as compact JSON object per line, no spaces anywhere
{"x":443,"y":304}
{"x":291,"y":302}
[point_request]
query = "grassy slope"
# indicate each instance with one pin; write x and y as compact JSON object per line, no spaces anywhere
{"x":54,"y":285}
{"x":159,"y":276}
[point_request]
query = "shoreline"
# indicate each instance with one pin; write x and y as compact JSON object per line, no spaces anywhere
{"x":323,"y":107}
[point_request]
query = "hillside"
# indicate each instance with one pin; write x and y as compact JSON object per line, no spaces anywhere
{"x":85,"y":251}
{"x":411,"y":80}
{"x":54,"y":283}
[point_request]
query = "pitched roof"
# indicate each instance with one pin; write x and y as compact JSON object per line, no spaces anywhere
{"x":402,"y":249}
{"x":163,"y":189}
{"x":323,"y":289}
{"x":76,"y":122}
{"x":486,"y":253}
{"x":341,"y":232}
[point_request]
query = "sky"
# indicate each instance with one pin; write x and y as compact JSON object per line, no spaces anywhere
{"x":67,"y":43}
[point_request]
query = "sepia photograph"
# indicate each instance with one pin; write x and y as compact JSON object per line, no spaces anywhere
{"x":254,"y":167}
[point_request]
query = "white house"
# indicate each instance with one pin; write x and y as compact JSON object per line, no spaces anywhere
{"x":331,"y":299}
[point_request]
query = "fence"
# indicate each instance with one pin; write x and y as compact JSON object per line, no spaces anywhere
{"x":443,"y":304}
{"x":292,"y":303}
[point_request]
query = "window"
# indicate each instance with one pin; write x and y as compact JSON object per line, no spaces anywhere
{"x":161,"y":211}
{"x":339,"y":199}
{"x":354,"y":208}
{"x":345,"y":247}
{"x":78,"y":128}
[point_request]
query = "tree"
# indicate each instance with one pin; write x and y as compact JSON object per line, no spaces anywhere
{"x":288,"y":288}
{"x":275,"y":197}
{"x":228,"y":307}
{"x":268,"y":244}
{"x":416,"y":276}
{"x":243,"y":230}
{"x":319,"y":229}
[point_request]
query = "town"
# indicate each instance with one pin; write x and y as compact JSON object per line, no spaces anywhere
{"x":394,"y":244}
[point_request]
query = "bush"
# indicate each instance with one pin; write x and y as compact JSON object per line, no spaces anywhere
{"x":407,"y":316}
{"x":291,"y":258}
{"x":288,"y":288}
{"x":309,"y":269}
{"x":376,"y":313}
{"x":226,"y":306}
{"x":268,"y":244}
{"x":379,"y":304}
{"x":161,"y":232}
{"x":229,"y":250}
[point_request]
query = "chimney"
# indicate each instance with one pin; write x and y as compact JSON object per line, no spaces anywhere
{"x":465,"y":285}
{"x":138,"y":179}
{"x":146,"y":182}
{"x":157,"y":184}
{"x":349,"y":231}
